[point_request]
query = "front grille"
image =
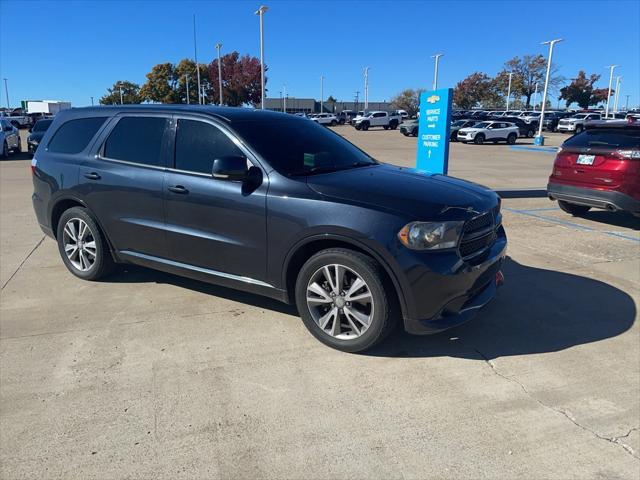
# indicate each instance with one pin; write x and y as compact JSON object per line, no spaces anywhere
{"x":478,"y":234}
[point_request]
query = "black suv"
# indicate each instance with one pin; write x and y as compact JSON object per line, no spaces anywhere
{"x":272,"y":204}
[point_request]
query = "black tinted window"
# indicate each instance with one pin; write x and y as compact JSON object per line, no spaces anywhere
{"x":137,"y":139}
{"x":299,"y":147}
{"x":606,"y":137}
{"x":74,"y":135}
{"x":198,"y":144}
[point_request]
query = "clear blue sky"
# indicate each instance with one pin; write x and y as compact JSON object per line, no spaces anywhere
{"x":72,"y":50}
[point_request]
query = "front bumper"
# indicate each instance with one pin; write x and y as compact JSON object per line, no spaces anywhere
{"x":567,"y":128}
{"x":442,"y":297}
{"x":606,"y":199}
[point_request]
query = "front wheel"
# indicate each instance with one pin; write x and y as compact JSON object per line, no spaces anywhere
{"x":393,"y":125}
{"x":572,"y":208}
{"x":365,"y":126}
{"x":82,"y":246}
{"x":333,"y":123}
{"x":5,"y":151}
{"x":341,"y":297}
{"x":511,"y":138}
{"x":530,"y":133}
{"x":357,"y":127}
{"x":479,"y":139}
{"x":385,"y":127}
{"x":579,"y":129}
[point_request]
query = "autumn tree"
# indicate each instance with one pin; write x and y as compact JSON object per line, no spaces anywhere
{"x":130,"y":93}
{"x":476,"y":89}
{"x":240,"y":80}
{"x":184,"y":70}
{"x":161,"y":86}
{"x":581,"y":91}
{"x":527,"y":71}
{"x":408,"y":100}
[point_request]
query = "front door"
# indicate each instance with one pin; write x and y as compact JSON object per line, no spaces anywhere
{"x":212,"y":223}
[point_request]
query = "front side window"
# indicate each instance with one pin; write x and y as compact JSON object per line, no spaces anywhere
{"x":137,"y":140}
{"x":296,"y":147}
{"x":198,"y":144}
{"x":74,"y":135}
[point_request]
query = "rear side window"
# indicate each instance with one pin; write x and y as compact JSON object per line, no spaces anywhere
{"x":606,"y":137}
{"x":74,"y":135}
{"x":198,"y":144}
{"x":137,"y":140}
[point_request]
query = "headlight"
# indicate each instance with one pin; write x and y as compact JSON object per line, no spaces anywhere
{"x":430,"y":235}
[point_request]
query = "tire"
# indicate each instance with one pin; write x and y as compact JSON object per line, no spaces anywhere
{"x":414,"y":133}
{"x":333,"y":123}
{"x":479,"y":139}
{"x":357,"y":127}
{"x":18,"y":149}
{"x":377,"y":311}
{"x":365,"y":126}
{"x":463,"y":141}
{"x":80,"y":263}
{"x":572,"y":208}
{"x":405,"y":133}
{"x":5,"y":151}
{"x":579,"y":129}
{"x":393,"y":125}
{"x":511,"y":138}
{"x":530,"y":133}
{"x":454,"y":137}
{"x":385,"y":127}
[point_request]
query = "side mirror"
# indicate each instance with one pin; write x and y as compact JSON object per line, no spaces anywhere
{"x":232,"y":167}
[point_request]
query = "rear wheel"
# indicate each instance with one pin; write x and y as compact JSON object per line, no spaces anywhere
{"x":82,"y":246}
{"x":393,"y":125}
{"x":479,"y":139}
{"x":511,"y":138}
{"x":578,"y":128}
{"x":5,"y":150}
{"x":572,"y":208}
{"x":365,"y":126}
{"x":340,"y":295}
{"x":530,"y":133}
{"x":357,"y":127}
{"x":333,"y":123}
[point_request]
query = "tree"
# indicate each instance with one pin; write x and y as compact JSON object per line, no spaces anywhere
{"x":130,"y":93}
{"x":240,"y":80}
{"x":581,"y":91}
{"x":161,"y":84}
{"x":331,"y":99}
{"x":408,"y":100}
{"x":526,"y":72}
{"x":188,"y":67}
{"x":476,"y":89}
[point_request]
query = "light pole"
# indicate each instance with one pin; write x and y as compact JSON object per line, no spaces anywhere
{"x":626,"y":103}
{"x":551,"y":43}
{"x":121,"y":99}
{"x":218,"y":47}
{"x":611,"y":69}
{"x":366,"y":89}
{"x":6,"y":91}
{"x":284,"y":90}
{"x":509,"y":90}
{"x":186,"y":76}
{"x":92,"y":101}
{"x":260,"y":12}
{"x":617,"y":94}
{"x":435,"y":73}
{"x":195,"y":56}
{"x":321,"y":93}
{"x":535,"y":97}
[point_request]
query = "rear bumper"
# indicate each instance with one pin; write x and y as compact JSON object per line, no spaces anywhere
{"x":605,"y":199}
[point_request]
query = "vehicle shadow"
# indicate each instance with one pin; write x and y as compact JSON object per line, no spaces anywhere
{"x":615,"y":219}
{"x":537,"y":311}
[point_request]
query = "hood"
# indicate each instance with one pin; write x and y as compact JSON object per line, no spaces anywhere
{"x":35,"y":137}
{"x":419,"y":195}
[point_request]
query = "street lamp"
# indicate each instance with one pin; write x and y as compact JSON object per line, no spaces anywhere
{"x":617,"y":94}
{"x":218,"y":47}
{"x":509,"y":90}
{"x":195,"y":57}
{"x":611,"y":69}
{"x":626,"y":103}
{"x":366,"y":88}
{"x":186,"y":76}
{"x":260,"y":12}
{"x":121,"y":99}
{"x":284,"y":92}
{"x":6,"y":91}
{"x":321,"y":93}
{"x":92,"y":101}
{"x":435,"y":73}
{"x":535,"y":97}
{"x":539,"y":139}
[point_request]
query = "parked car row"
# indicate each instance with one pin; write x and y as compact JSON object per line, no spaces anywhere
{"x":10,"y":136}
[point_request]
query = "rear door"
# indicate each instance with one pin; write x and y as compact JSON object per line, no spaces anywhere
{"x":592,"y":158}
{"x":123,"y":182}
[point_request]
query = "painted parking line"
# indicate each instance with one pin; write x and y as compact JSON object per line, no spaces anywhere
{"x":531,"y":213}
{"x":549,"y":150}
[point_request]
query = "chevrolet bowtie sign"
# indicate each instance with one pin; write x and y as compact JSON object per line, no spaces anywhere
{"x":434,"y":130}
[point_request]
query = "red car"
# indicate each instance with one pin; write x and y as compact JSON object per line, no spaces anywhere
{"x":599,"y":168}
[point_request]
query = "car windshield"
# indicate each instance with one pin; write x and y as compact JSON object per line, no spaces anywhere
{"x":481,"y":125}
{"x":293,"y":147}
{"x":580,"y":116}
{"x":606,"y":137}
{"x":458,"y":123}
{"x":41,"y":125}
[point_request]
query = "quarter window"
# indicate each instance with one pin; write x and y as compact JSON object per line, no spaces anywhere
{"x":74,"y":135}
{"x":198,"y":144}
{"x":137,"y":140}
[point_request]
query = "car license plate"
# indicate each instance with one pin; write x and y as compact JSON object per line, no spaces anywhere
{"x":585,"y":159}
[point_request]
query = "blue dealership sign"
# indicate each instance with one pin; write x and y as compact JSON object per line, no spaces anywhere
{"x":434,"y":129}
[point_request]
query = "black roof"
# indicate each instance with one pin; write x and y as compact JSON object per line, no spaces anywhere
{"x":612,"y":124}
{"x":226,"y":114}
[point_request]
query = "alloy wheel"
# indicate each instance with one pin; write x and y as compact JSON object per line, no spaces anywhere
{"x":340,"y":301}
{"x":79,"y":244}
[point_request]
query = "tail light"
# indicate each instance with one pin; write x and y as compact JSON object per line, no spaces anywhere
{"x":563,"y":159}
{"x":630,"y":154}
{"x":34,"y":164}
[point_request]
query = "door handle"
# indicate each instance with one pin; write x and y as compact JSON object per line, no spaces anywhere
{"x":178,"y":189}
{"x":92,"y":176}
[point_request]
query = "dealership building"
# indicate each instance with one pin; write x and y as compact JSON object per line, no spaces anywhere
{"x":311,"y":105}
